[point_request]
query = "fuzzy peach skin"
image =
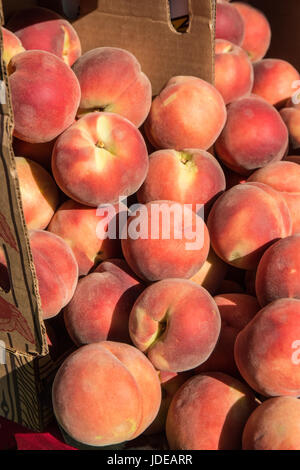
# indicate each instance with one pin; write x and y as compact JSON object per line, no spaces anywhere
{"x":211,"y":274}
{"x":176,"y":323}
{"x":111,"y":80}
{"x":242,"y":146}
{"x":100,"y":158}
{"x":155,"y":252}
{"x":190,"y":176}
{"x":236,"y":311}
{"x":283,"y":176}
{"x":11,"y":45}
{"x":39,"y":153}
{"x":39,"y":193}
{"x":266,"y":351}
{"x":79,"y":226}
{"x":170,"y":383}
{"x":229,"y":23}
{"x":274,"y":425}
{"x":197,"y":124}
{"x":274,"y":80}
{"x":56,"y":270}
{"x":245,"y":220}
{"x":100,"y":307}
{"x":233,"y":71}
{"x":52,"y":35}
{"x":278,"y":271}
{"x":42,"y":108}
{"x":291,"y":118}
{"x":208,"y":413}
{"x":257,"y":36}
{"x":106,"y":393}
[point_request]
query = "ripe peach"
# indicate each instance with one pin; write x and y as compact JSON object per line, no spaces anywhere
{"x":274,"y":425}
{"x":245,"y":220}
{"x":242,"y":146}
{"x":56,"y":270}
{"x":11,"y":45}
{"x":278,"y":271}
{"x":267,"y":350}
{"x":40,"y":153}
{"x":106,"y":393}
{"x":229,"y":23}
{"x":208,"y":413}
{"x":236,"y":311}
{"x":100,"y":307}
{"x":211,"y":274}
{"x":78,"y":225}
{"x":39,"y":193}
{"x":111,"y":80}
{"x":46,"y":33}
{"x":176,"y":323}
{"x":257,"y":36}
{"x":191,"y":176}
{"x":172,"y":241}
{"x":197,"y":124}
{"x":283,"y":176}
{"x":233,"y":71}
{"x":100,"y":158}
{"x":274,"y":80}
{"x":291,"y":118}
{"x":42,"y":108}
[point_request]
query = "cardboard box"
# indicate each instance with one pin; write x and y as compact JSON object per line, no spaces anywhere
{"x":143,"y":27}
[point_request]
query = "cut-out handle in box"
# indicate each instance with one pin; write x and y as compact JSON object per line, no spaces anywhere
{"x":144,"y":28}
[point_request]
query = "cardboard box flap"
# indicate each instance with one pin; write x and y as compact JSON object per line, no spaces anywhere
{"x":21,"y":325}
{"x":146,"y":31}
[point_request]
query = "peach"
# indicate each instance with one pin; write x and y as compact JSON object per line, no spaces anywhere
{"x":80,"y":227}
{"x":165,"y":239}
{"x":191,"y":176}
{"x":229,"y":23}
{"x":111,"y":80}
{"x":42,"y":108}
{"x":278,"y":271}
{"x":39,"y":193}
{"x":242,"y":146}
{"x":106,"y":393}
{"x":250,"y":277}
{"x":100,"y":158}
{"x":233,"y":71}
{"x":257,"y":36}
{"x":245,"y":220}
{"x":170,"y":383}
{"x":100,"y":307}
{"x":291,"y":118}
{"x":211,"y":274}
{"x":283,"y":176}
{"x":236,"y":311}
{"x":208,"y":413}
{"x":11,"y":45}
{"x":188,"y":113}
{"x":266,"y":351}
{"x":274,"y":80}
{"x":40,"y":153}
{"x":176,"y":323}
{"x":274,"y":425}
{"x":56,"y":270}
{"x":40,"y":29}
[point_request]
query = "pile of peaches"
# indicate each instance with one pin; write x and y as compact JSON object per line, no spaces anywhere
{"x":204,"y":343}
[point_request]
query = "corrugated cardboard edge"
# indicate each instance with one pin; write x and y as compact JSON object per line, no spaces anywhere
{"x":25,"y":333}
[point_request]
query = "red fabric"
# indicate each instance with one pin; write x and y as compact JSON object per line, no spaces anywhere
{"x":14,"y":436}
